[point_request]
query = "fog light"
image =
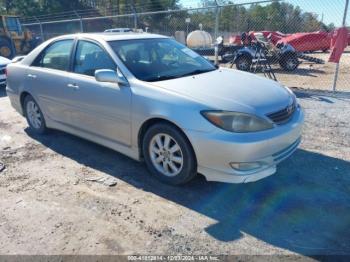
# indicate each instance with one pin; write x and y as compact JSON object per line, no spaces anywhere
{"x":246,"y":166}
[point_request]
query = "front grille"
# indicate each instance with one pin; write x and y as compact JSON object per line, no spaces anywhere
{"x":2,"y":71}
{"x":284,"y":115}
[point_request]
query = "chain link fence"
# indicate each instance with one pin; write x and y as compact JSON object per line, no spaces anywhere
{"x":289,"y":21}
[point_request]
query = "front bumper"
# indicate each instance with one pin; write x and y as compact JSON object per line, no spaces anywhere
{"x":219,"y":153}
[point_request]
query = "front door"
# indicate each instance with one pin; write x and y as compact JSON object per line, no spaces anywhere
{"x":101,"y":109}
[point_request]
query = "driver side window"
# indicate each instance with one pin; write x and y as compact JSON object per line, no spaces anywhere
{"x":91,"y":57}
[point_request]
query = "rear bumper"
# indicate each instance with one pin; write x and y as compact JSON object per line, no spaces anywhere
{"x":14,"y":99}
{"x":221,"y":156}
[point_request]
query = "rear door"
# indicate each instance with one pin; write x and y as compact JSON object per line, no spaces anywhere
{"x":101,"y":109}
{"x":47,"y":79}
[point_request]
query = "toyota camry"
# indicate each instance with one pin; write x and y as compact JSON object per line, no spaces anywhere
{"x":155,"y":100}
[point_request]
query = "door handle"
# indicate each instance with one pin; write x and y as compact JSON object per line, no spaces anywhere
{"x":74,"y":86}
{"x":31,"y":76}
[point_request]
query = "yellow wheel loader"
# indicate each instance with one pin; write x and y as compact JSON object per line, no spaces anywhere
{"x":13,"y":39}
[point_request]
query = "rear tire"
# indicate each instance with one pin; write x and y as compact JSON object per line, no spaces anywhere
{"x":168,"y":154}
{"x":34,"y":116}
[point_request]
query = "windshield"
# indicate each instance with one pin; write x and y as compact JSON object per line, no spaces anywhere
{"x":159,"y":59}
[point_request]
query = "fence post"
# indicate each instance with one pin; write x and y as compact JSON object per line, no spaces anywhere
{"x":41,"y":28}
{"x":216,"y":32}
{"x":134,"y":13}
{"x":337,"y":65}
{"x":135,"y":21}
{"x":80,"y":21}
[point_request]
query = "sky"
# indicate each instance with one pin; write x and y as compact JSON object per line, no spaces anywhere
{"x":332,"y":10}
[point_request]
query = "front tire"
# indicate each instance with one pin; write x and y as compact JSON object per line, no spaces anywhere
{"x":34,"y":116}
{"x":289,"y":62}
{"x":243,"y":63}
{"x":168,"y":154}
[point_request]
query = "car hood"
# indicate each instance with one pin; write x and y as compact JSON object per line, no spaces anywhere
{"x":232,"y":90}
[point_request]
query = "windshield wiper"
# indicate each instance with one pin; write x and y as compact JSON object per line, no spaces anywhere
{"x":160,"y":78}
{"x":167,"y":77}
{"x":197,"y":72}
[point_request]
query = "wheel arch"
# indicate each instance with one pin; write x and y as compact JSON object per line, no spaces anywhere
{"x":22,"y":97}
{"x":156,"y":120}
{"x":244,"y":53}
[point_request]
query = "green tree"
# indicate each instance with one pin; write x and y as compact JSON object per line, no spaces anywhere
{"x":20,"y":7}
{"x":277,"y":16}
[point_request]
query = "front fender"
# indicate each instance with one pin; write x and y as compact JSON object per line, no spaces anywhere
{"x":149,"y":102}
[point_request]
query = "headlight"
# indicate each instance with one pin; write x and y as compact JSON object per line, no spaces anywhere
{"x":237,"y":122}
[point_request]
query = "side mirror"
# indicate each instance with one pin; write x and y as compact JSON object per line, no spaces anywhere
{"x":17,"y":59}
{"x":110,"y":76}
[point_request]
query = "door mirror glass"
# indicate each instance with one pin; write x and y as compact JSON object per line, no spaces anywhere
{"x":109,"y":76}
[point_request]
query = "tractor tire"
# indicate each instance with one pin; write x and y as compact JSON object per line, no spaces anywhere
{"x":6,"y":49}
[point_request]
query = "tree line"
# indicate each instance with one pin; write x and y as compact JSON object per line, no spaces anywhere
{"x":277,"y":16}
{"x":29,"y":8}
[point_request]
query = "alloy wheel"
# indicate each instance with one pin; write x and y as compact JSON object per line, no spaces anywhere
{"x":33,"y":114}
{"x":166,"y":155}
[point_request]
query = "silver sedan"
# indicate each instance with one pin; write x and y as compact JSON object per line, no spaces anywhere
{"x":153,"y":99}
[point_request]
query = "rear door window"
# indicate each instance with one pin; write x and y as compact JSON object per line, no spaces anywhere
{"x":56,"y":56}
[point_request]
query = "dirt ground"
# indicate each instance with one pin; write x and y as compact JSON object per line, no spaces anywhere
{"x":317,"y":76}
{"x":49,"y":206}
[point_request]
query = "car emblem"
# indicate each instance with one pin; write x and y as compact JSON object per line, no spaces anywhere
{"x":290,"y":109}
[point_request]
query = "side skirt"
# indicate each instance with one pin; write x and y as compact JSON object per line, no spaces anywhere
{"x":123,"y":149}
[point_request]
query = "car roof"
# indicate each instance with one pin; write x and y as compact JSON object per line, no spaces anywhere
{"x":113,"y":36}
{"x":119,"y":28}
{"x":100,"y":37}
